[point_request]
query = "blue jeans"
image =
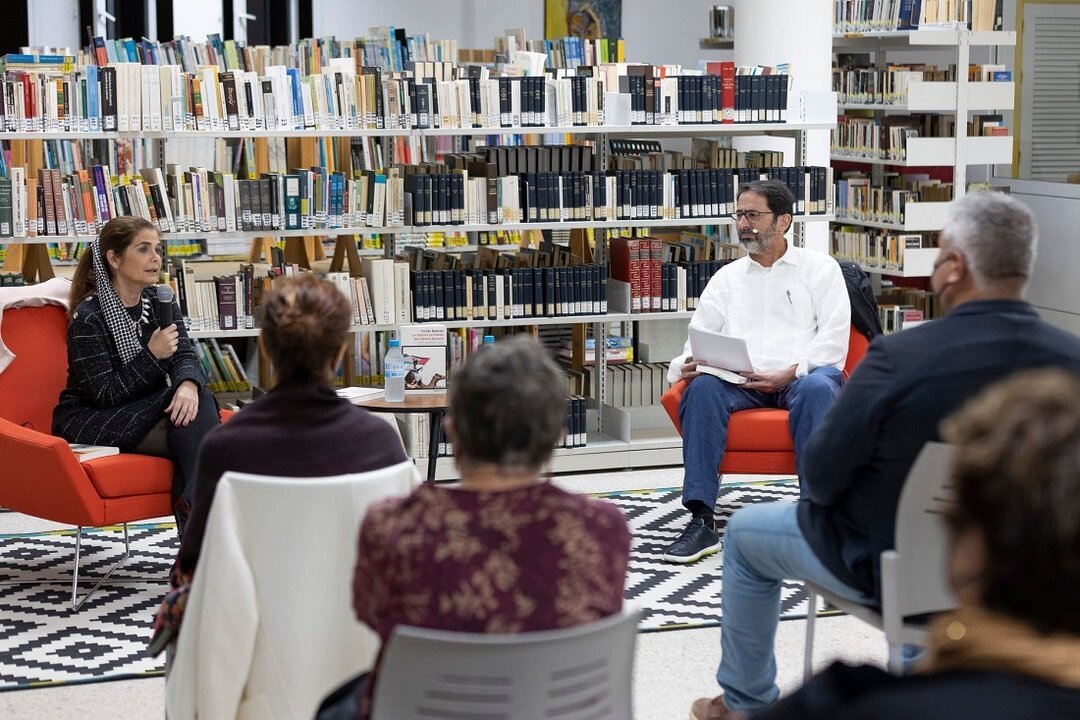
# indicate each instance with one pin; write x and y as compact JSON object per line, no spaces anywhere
{"x":706,"y":407}
{"x":763,"y":545}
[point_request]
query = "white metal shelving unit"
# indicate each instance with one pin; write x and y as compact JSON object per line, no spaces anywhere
{"x":958,"y":98}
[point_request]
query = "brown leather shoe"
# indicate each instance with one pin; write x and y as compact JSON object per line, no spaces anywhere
{"x":714,"y":709}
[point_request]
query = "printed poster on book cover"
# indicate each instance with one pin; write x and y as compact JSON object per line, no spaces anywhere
{"x":424,"y":348}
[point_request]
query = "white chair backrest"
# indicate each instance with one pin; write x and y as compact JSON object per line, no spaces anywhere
{"x":269,"y":628}
{"x":576,"y":673}
{"x":914,"y":578}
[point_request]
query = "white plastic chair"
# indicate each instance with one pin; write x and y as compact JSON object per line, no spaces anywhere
{"x":914,"y":578}
{"x":269,"y":627}
{"x":579,"y":673}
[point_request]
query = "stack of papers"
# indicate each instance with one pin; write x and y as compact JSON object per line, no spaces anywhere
{"x":358,"y":394}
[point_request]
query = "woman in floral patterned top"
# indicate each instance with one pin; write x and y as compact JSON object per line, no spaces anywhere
{"x":506,"y":551}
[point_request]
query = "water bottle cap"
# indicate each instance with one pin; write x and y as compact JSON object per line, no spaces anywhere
{"x":394,"y":342}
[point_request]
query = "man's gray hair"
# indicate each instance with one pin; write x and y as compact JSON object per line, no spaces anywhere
{"x":996,"y":234}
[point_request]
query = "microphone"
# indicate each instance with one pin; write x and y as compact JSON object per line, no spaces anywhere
{"x":164,"y":306}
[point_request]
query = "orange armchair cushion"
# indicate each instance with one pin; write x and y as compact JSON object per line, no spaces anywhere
{"x":759,"y":430}
{"x":129,"y":474}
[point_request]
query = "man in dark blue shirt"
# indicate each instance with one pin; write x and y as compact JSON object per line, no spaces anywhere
{"x":859,"y":456}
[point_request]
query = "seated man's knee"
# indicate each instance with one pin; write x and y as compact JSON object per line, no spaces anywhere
{"x":820,"y":383}
{"x":703,"y":387}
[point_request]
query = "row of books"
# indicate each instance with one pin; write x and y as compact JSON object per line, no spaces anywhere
{"x":573,"y":52}
{"x":878,"y":249}
{"x":857,"y":199}
{"x":895,"y":317}
{"x":636,"y":384}
{"x":132,"y":97}
{"x":923,"y":301}
{"x":387,"y":47}
{"x":858,"y":16}
{"x":884,"y":86}
{"x":987,"y":125}
{"x":197,"y":200}
{"x":209,"y":302}
{"x":656,"y":285}
{"x":224,"y":370}
{"x":886,"y":138}
{"x":509,"y":293}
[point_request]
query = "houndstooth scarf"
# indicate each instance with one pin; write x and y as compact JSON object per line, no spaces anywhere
{"x":116,"y":316}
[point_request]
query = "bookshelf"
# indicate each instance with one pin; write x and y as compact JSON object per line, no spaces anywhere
{"x":911,"y":153}
{"x":618,"y":437}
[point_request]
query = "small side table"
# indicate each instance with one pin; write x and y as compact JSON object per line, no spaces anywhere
{"x":434,"y":404}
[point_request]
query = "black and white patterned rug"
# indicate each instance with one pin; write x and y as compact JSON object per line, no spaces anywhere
{"x":674,"y":597}
{"x":42,"y":642}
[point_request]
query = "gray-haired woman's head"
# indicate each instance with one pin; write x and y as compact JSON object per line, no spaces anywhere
{"x":508,"y":406}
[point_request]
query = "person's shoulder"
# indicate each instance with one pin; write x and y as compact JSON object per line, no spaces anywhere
{"x":385,"y":518}
{"x":88,"y":310}
{"x":964,"y":695}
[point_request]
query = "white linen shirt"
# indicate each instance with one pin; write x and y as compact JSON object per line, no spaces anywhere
{"x":796,"y":312}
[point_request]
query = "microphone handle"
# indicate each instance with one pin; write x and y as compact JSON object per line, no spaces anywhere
{"x":165,"y":312}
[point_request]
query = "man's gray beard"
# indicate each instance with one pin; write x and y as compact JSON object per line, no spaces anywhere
{"x":756,"y":246}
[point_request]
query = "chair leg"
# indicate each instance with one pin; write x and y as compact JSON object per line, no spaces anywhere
{"x":75,"y":570}
{"x":896,"y":659}
{"x":808,"y":651}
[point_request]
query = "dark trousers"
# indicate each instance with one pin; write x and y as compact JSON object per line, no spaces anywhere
{"x":344,"y":702}
{"x":181,"y":445}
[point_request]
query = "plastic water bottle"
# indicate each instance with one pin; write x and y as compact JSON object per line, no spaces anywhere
{"x":394,"y":373}
{"x":489,"y":340}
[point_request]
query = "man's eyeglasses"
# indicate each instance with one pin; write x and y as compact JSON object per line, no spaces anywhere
{"x":751,"y":215}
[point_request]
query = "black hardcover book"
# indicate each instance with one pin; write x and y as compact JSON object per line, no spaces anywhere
{"x":422,"y":105}
{"x":267,"y":196}
{"x":245,"y":215}
{"x":107,"y":78}
{"x":757,"y":101}
{"x":783,"y":93}
{"x":457,"y":199}
{"x":448,"y":301}
{"x":232,"y":111}
{"x":504,"y":103}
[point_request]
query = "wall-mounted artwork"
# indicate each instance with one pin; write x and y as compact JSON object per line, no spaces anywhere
{"x":583,"y":18}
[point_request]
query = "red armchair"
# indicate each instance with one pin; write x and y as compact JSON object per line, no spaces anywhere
{"x":759,"y":441}
{"x":39,"y":475}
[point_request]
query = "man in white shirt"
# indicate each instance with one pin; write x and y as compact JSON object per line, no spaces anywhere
{"x":791,"y":307}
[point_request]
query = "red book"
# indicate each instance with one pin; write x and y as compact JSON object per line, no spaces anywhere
{"x":727,"y":91}
{"x":655,"y":291}
{"x":626,"y":266}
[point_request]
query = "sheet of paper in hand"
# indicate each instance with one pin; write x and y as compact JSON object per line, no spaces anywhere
{"x":720,"y":355}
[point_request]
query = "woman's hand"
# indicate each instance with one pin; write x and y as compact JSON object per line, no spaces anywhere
{"x":164,"y":341}
{"x":185,"y":404}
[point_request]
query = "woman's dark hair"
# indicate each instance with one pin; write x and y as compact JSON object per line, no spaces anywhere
{"x":508,"y":405}
{"x":117,"y":235}
{"x":1017,"y":474}
{"x":305,"y":321}
{"x":776,"y":194}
